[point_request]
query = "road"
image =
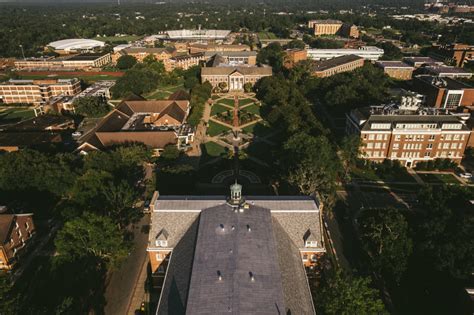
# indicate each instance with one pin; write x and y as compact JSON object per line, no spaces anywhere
{"x":121,"y":283}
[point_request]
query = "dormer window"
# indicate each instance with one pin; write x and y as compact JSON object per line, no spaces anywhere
{"x":16,"y":225}
{"x":310,"y":239}
{"x":162,"y":239}
{"x":161,"y":243}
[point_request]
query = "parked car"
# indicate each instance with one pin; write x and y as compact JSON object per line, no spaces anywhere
{"x":76,"y":134}
{"x":465,"y":175}
{"x":146,"y":206}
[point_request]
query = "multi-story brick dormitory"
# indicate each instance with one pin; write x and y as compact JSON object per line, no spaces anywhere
{"x":327,"y":68}
{"x":396,"y":69}
{"x":37,"y":92}
{"x":16,"y":230}
{"x":409,"y":136}
{"x":444,"y":92}
{"x":213,"y":255}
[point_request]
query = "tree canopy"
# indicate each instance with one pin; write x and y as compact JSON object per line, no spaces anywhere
{"x":385,"y":237}
{"x":340,"y":294}
{"x":91,"y":106}
{"x":126,"y":62}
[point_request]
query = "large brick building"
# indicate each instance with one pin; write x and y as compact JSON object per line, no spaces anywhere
{"x":155,"y":123}
{"x":16,"y":230}
{"x":86,"y":62}
{"x":293,"y":56}
{"x":444,"y":92}
{"x":37,"y":92}
{"x":211,"y":255}
{"x":396,"y":69}
{"x":234,"y":77}
{"x":408,"y":136}
{"x":327,"y":68}
{"x":333,"y":27}
{"x":456,"y":54}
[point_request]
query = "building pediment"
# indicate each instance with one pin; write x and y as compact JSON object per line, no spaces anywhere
{"x":236,"y":73}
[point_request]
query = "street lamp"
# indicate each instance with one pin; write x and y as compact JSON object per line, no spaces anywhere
{"x":22,"y":52}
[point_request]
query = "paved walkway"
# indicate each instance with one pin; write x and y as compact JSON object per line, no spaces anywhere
{"x":415,"y":176}
{"x":139,"y":295}
{"x":122,"y":282}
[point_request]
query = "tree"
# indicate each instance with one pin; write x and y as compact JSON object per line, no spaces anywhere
{"x":271,"y":55}
{"x":91,"y":106}
{"x":248,"y":87}
{"x":350,"y":151}
{"x":170,"y":152}
{"x":384,"y":236}
{"x":446,"y":229}
{"x":296,"y":43}
{"x":312,"y":164}
{"x":391,"y":52}
{"x":91,"y":235}
{"x":340,"y":294}
{"x":8,"y":300}
{"x":126,"y":62}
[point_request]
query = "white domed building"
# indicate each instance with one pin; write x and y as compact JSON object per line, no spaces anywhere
{"x":75,"y":45}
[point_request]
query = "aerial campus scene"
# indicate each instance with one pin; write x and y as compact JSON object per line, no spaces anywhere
{"x":236,"y":157}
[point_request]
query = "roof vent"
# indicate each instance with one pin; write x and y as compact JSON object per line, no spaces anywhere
{"x":219,"y":275}
{"x":248,"y":228}
{"x":233,"y":227}
{"x":252,"y":278}
{"x":222,"y":226}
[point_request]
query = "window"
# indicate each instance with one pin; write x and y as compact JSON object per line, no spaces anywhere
{"x":377,"y":145}
{"x":16,"y":225}
{"x":305,"y":257}
{"x":311,"y":244}
{"x":379,"y":137}
{"x":448,"y":137}
{"x":158,"y":257}
{"x":370,"y":145}
{"x":454,"y":145}
{"x":161,"y":269}
{"x":376,"y":153}
{"x":456,"y":137}
{"x":453,"y":100}
{"x":371,"y":137}
{"x":432,"y":137}
{"x":161,"y":243}
{"x":427,"y":154}
{"x":27,"y":225}
{"x":445,"y":145}
{"x":394,"y":154}
{"x":397,"y":138}
{"x":396,"y":146}
{"x":314,"y":258}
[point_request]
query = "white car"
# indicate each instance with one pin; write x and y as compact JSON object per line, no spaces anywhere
{"x":77,"y":134}
{"x":465,"y":175}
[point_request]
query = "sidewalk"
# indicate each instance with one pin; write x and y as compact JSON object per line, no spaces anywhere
{"x":139,"y":295}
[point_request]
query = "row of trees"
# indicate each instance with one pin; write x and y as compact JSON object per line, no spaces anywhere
{"x":93,"y":198}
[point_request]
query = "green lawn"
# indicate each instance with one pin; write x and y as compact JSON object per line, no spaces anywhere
{"x":13,"y":115}
{"x":254,"y":109}
{"x":213,"y":149}
{"x":245,"y":101}
{"x":164,"y":91}
{"x":215,"y":97}
{"x":227,"y":101}
{"x":214,"y":128}
{"x":129,"y":38}
{"x":216,"y":108}
{"x":439,"y":178}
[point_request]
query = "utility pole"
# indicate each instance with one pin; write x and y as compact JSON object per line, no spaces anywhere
{"x":22,"y":52}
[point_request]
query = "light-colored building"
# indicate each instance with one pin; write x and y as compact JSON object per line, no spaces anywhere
{"x":225,"y":245}
{"x":198,"y":47}
{"x":418,"y":62}
{"x":77,"y":62}
{"x":327,"y":68}
{"x":160,"y":54}
{"x":371,"y":53}
{"x":396,"y":69}
{"x":333,"y":27}
{"x":16,"y":230}
{"x":448,"y":72}
{"x":408,"y":136}
{"x":234,"y":77}
{"x":234,"y":57}
{"x":75,"y":45}
{"x":37,"y":92}
{"x":187,"y":61}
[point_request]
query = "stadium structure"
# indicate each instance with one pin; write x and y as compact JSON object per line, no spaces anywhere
{"x":74,"y":45}
{"x":191,"y":35}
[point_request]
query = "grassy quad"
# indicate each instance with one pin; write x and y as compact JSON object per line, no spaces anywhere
{"x":217,"y":108}
{"x":438,"y":178}
{"x":245,"y":101}
{"x":254,"y":109}
{"x":215,"y":128}
{"x":13,"y":115}
{"x":213,"y":149}
{"x":163,"y":92}
{"x":227,"y":101}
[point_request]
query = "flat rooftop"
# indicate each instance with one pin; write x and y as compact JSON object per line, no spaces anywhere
{"x":335,"y":62}
{"x":85,"y":57}
{"x":393,"y":64}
